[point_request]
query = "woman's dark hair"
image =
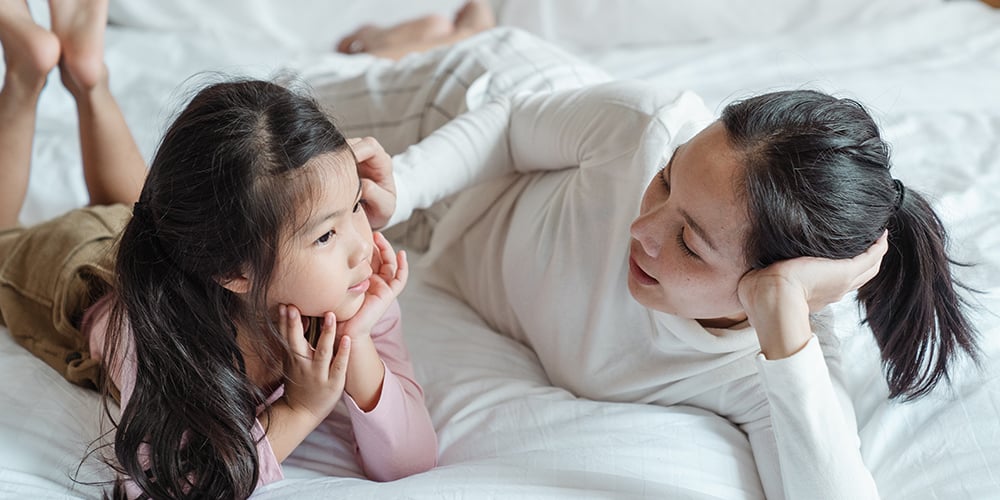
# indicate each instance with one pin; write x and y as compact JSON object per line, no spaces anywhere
{"x":222,"y":189}
{"x":817,"y":184}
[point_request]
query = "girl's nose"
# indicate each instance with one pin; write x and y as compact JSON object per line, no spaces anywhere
{"x":362,"y":243}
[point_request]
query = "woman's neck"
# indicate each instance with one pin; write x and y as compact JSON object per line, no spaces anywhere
{"x":729,"y":323}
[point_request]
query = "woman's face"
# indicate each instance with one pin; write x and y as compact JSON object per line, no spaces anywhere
{"x":686,"y":256}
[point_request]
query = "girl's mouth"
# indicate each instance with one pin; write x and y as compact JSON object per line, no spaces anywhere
{"x":361,"y":287}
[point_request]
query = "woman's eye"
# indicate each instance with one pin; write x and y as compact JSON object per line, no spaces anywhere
{"x":322,"y":240}
{"x":663,"y":178}
{"x":684,"y":248}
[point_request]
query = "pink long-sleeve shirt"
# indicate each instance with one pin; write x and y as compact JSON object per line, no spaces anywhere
{"x":393,"y":440}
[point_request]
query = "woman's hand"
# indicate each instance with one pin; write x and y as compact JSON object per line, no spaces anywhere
{"x":315,"y":377}
{"x":779,"y":298}
{"x":378,"y":187}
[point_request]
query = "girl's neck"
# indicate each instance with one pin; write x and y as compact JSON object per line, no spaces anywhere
{"x":263,"y":374}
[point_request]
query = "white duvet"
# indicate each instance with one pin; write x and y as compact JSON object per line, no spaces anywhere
{"x":930,"y":72}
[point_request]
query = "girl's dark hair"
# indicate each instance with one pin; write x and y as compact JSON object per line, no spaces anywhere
{"x":222,"y":189}
{"x":817,"y":184}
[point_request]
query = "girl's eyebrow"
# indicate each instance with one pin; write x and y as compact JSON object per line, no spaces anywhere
{"x":314,"y":223}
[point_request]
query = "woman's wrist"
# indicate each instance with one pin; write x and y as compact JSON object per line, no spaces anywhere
{"x":779,"y":313}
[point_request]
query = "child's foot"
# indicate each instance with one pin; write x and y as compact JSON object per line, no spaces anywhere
{"x":475,"y":16}
{"x":370,"y":38}
{"x":29,"y":51}
{"x":79,"y":25}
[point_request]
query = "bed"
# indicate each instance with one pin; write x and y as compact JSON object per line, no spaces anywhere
{"x":929,"y":70}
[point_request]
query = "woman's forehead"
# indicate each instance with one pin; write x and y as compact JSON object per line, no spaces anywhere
{"x":705,"y":181}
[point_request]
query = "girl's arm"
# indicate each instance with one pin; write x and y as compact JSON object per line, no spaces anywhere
{"x":810,"y":449}
{"x":536,"y":132}
{"x":395,"y":438}
{"x":392,"y":428}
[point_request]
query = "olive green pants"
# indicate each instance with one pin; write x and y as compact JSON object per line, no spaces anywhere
{"x":49,"y":275}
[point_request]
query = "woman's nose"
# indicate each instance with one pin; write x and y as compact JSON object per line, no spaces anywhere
{"x":648,"y":232}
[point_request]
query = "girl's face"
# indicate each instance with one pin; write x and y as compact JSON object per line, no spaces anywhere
{"x":686,"y":254}
{"x":325,"y":262}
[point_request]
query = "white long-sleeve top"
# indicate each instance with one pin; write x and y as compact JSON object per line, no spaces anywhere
{"x":539,"y":248}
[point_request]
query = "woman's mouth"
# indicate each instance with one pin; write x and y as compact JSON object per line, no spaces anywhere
{"x":638,"y":274}
{"x":361,"y":287}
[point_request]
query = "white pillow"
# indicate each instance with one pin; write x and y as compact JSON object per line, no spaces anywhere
{"x":595,"y":24}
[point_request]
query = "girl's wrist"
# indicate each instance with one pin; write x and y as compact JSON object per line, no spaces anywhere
{"x":365,"y":373}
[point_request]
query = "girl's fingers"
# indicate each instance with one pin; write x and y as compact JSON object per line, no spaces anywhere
{"x":402,"y":274}
{"x":338,"y":369}
{"x":327,"y":339}
{"x":388,"y":268}
{"x":292,"y":320}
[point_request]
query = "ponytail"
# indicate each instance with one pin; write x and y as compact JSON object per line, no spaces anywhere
{"x":817,"y":184}
{"x":912,"y":305}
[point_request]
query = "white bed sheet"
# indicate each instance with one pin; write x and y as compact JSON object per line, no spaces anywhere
{"x":931,"y":75}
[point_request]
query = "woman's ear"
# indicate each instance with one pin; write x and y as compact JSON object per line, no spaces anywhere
{"x":238,"y":285}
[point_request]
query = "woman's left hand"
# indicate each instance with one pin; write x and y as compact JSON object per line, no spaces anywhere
{"x":378,"y":186}
{"x":779,"y":298}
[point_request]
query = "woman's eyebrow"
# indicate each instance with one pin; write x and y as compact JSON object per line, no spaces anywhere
{"x":693,"y":224}
{"x":698,"y":229}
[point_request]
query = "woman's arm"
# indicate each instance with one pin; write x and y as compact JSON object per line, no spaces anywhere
{"x":810,"y":449}
{"x":533,"y":132}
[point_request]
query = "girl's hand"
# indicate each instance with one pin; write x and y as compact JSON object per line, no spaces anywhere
{"x":378,"y":187}
{"x":390,"y":271}
{"x":779,"y":298}
{"x":315,"y":377}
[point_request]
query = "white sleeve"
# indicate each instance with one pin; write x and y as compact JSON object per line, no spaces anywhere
{"x":524,"y":133}
{"x":811,"y":449}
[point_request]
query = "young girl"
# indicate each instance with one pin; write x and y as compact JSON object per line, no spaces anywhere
{"x":650,"y":252}
{"x":250,"y":220}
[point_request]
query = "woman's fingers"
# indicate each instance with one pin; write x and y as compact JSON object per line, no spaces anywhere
{"x":373,"y":162}
{"x":870,"y":261}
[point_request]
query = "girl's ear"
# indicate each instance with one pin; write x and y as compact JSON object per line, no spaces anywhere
{"x":238,"y":285}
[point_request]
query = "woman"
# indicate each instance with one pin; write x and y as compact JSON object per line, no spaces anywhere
{"x":651,"y":254}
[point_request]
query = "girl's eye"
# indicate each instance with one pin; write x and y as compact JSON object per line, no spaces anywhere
{"x":684,"y":248}
{"x":323,"y":240}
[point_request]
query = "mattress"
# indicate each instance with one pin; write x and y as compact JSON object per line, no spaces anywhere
{"x":929,"y":71}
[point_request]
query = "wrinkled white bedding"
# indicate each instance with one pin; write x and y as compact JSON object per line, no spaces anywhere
{"x":930,"y":72}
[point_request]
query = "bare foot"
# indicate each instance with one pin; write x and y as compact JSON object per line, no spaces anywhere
{"x":370,"y":38}
{"x":475,"y":16}
{"x":29,"y":51}
{"x":80,"y":28}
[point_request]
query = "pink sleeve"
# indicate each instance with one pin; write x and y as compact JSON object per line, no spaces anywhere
{"x":396,"y":438}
